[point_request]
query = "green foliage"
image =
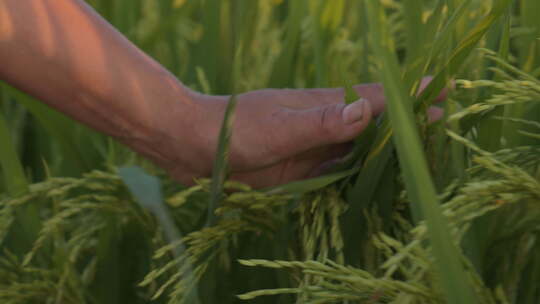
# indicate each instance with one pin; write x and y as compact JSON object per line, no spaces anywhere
{"x":503,"y":183}
{"x":404,"y":225}
{"x":14,"y":178}
{"x":220,"y":170}
{"x":417,"y":178}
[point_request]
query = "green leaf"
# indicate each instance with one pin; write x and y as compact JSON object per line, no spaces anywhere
{"x":490,"y":130}
{"x":283,"y":70}
{"x":220,"y":168}
{"x":209,"y":51}
{"x":14,"y":177}
{"x":456,"y":283}
{"x":432,"y":42}
{"x":26,"y":228}
{"x":146,"y":190}
{"x":76,"y":148}
{"x":350,"y":93}
{"x":461,"y":53}
{"x":360,"y":197}
{"x":320,"y":41}
{"x":430,"y":93}
{"x":309,"y":185}
{"x":378,"y":155}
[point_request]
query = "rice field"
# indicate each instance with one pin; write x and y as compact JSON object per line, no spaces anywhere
{"x":418,"y":212}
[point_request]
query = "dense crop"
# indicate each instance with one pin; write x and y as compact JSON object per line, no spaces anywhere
{"x":417,"y":213}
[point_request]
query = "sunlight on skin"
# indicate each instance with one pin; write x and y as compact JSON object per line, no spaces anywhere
{"x":84,"y":47}
{"x":108,"y":73}
{"x":66,"y":55}
{"x":43,"y":21}
{"x":77,"y":63}
{"x":136,"y":92}
{"x":6,"y":25}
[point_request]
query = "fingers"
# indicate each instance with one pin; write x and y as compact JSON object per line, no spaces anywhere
{"x":434,"y":114}
{"x":300,"y":131}
{"x":309,"y":98}
{"x":442,"y":95}
{"x":295,"y":168}
{"x":374,"y":92}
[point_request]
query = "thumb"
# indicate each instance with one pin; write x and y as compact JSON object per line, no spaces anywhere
{"x":327,"y":125}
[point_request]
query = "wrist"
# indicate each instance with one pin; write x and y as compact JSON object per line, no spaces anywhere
{"x":184,"y":138}
{"x":170,"y":117}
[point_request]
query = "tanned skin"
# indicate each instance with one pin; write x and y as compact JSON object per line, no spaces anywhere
{"x":69,"y":57}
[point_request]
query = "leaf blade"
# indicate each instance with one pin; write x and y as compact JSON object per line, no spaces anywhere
{"x":414,"y":165}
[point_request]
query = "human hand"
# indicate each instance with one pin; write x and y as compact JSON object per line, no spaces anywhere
{"x":279,"y":135}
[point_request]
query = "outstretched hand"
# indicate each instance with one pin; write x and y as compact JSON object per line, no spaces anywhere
{"x":107,"y":83}
{"x":282,"y":135}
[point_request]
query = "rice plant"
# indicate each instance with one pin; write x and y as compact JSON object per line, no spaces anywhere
{"x":418,"y":212}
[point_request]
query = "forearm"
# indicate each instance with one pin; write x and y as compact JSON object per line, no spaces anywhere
{"x":66,"y":55}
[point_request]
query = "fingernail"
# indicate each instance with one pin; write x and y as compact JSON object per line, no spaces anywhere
{"x":353,"y":112}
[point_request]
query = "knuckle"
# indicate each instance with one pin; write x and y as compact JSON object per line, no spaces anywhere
{"x":325,"y":120}
{"x":328,"y":122}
